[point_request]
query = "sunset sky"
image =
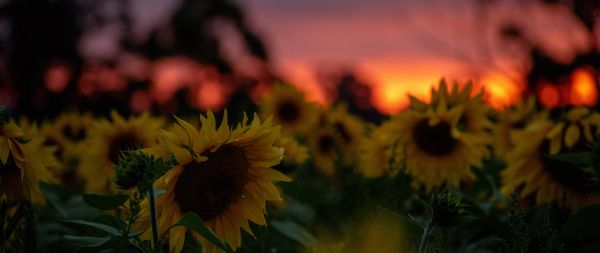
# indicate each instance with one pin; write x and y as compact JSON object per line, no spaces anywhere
{"x":400,"y":47}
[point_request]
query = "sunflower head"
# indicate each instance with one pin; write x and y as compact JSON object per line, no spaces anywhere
{"x":108,"y":139}
{"x":23,"y":164}
{"x":324,"y":148}
{"x":439,"y":141}
{"x":289,"y":109}
{"x":510,"y":119}
{"x":551,"y":175}
{"x":294,"y":152}
{"x":376,"y":156}
{"x":223,"y":175}
{"x":139,"y":169}
{"x":349,"y":130}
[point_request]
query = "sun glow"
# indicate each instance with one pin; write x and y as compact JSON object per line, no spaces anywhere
{"x":583,"y":87}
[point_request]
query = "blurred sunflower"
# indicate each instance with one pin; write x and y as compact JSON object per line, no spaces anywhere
{"x":536,"y":175}
{"x":289,"y":109}
{"x":375,"y":231}
{"x":23,"y":165}
{"x":441,"y":140}
{"x":324,"y":149}
{"x":107,"y":139}
{"x":511,"y":119}
{"x":294,"y":152}
{"x":73,"y":126}
{"x":376,"y":152}
{"x":349,"y":131}
{"x":67,"y":134}
{"x":224,"y":175}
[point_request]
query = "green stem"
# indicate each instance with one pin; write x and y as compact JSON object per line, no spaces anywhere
{"x":153,"y":218}
{"x":14,"y":221}
{"x":424,"y":237}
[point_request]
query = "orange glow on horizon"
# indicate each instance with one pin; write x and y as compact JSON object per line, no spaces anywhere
{"x":500,"y":91}
{"x":583,"y":87}
{"x":392,"y":81}
{"x":549,"y":95}
{"x":391,"y":96}
{"x":210,"y":95}
{"x":57,"y":77}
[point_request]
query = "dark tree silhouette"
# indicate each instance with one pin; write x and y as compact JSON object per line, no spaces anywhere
{"x":46,"y":32}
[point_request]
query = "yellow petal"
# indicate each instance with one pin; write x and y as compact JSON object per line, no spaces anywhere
{"x":555,"y":144}
{"x":223,"y":131}
{"x":416,"y":104}
{"x":11,"y":130}
{"x":455,"y":133}
{"x":442,"y":106}
{"x":455,"y":113}
{"x":191,"y":131}
{"x":577,"y":113}
{"x":116,"y":117}
{"x":572,"y":135}
{"x":555,"y":131}
{"x":182,"y":155}
{"x":4,"y":150}
{"x":434,"y":121}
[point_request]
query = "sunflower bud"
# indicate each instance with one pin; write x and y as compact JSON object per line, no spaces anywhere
{"x":139,"y":169}
{"x":447,"y":209}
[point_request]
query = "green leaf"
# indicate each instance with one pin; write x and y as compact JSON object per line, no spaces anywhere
{"x":80,"y":242}
{"x":577,"y":158}
{"x":194,"y":222}
{"x":110,"y":221}
{"x":584,"y":224}
{"x":105,"y":202}
{"x":191,"y":244}
{"x":108,"y":229}
{"x":295,"y":232}
{"x":53,"y":198}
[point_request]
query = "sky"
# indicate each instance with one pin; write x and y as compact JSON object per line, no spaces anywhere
{"x":400,"y":47}
{"x":403,"y":47}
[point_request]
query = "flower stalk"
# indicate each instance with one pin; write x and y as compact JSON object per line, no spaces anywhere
{"x":153,"y":218}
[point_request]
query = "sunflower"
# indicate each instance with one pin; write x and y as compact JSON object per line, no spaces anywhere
{"x":374,"y":231}
{"x":376,"y":156}
{"x":511,"y":119}
{"x":224,"y":175}
{"x":439,"y":141}
{"x":537,"y":176}
{"x":106,"y":141}
{"x":294,"y":152}
{"x":349,"y":130}
{"x":73,"y":126}
{"x":67,"y":134}
{"x":24,"y":164}
{"x":324,"y":149}
{"x":289,"y":109}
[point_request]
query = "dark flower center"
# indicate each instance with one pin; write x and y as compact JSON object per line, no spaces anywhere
{"x":435,"y":140}
{"x":208,"y":188}
{"x":10,"y":175}
{"x":326,"y":143}
{"x":51,"y":141}
{"x":73,"y":134}
{"x":519,"y":124}
{"x":343,"y":132}
{"x":569,"y":175}
{"x":122,"y":142}
{"x":288,"y":111}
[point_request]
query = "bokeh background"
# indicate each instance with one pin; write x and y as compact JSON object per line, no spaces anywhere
{"x":180,"y":56}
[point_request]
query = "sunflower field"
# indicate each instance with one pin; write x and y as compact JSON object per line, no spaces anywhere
{"x":446,"y":175}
